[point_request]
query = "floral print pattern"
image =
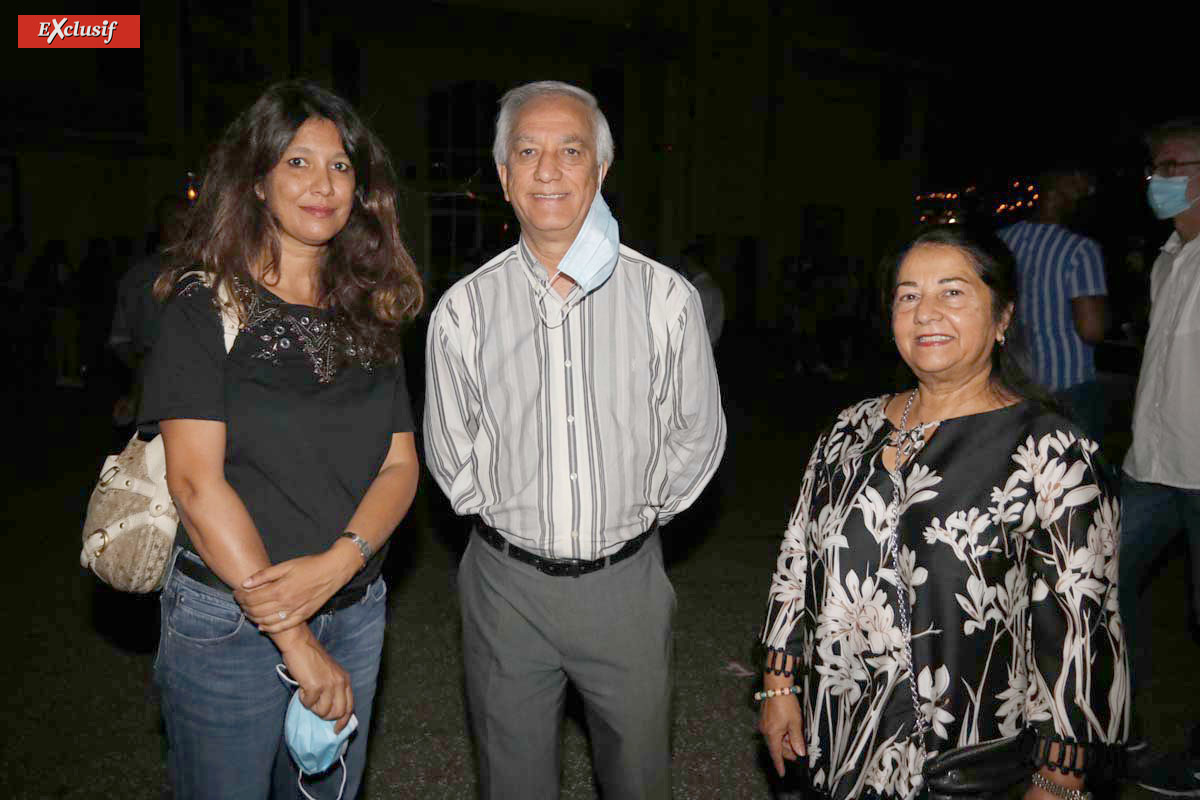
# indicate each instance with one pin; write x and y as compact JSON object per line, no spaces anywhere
{"x":1008,"y":532}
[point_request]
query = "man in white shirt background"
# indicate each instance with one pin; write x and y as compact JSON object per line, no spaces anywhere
{"x":1160,"y":490}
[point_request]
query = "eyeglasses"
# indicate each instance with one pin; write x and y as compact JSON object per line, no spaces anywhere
{"x":1167,"y":168}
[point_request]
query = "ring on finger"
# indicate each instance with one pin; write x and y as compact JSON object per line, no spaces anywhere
{"x":282,"y":615}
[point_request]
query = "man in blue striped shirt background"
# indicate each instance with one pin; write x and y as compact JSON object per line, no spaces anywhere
{"x":1063,"y":293}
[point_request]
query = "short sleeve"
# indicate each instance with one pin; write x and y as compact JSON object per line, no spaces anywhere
{"x":1087,"y":278}
{"x":185,"y":375}
{"x":402,"y":416}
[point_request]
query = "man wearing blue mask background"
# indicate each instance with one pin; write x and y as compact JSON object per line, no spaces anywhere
{"x":1160,"y":491}
{"x":572,"y":408}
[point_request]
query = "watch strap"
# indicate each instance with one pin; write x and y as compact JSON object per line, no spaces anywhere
{"x":364,"y":547}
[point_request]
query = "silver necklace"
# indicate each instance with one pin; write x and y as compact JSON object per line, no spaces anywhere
{"x":907,"y":441}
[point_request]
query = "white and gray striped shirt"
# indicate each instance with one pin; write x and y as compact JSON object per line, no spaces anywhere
{"x":571,"y":440}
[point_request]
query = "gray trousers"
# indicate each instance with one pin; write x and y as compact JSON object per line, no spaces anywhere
{"x":525,"y":634}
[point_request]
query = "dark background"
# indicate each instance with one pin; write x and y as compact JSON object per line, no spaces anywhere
{"x":791,"y":140}
{"x":773,"y":132}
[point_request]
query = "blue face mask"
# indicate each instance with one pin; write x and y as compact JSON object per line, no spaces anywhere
{"x":314,"y":745}
{"x":592,"y":257}
{"x":1168,"y":196}
{"x":589,"y":261}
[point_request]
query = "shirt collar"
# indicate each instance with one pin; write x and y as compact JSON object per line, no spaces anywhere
{"x":535,"y":270}
{"x":1174,"y":244}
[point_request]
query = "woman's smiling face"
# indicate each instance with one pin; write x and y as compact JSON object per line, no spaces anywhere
{"x":311,"y":190}
{"x":942,"y":316}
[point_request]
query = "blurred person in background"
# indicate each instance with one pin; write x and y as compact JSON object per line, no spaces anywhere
{"x":1063,"y":297}
{"x":712,"y":300}
{"x":52,"y":305}
{"x":1160,"y":490}
{"x":98,"y":278}
{"x":137,"y":312}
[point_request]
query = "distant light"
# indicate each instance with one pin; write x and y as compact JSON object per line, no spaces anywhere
{"x":470,"y":195}
{"x":1030,"y":187}
{"x":918,"y":198}
{"x":953,"y":220}
{"x":970,"y":189}
{"x":190,"y":191}
{"x":1036,"y":196}
{"x":1016,"y":184}
{"x":1020,"y":203}
{"x":1002,"y":207}
{"x":923,"y":218}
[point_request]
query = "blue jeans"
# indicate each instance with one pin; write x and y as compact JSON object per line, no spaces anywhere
{"x":223,"y":703}
{"x":1152,"y":515}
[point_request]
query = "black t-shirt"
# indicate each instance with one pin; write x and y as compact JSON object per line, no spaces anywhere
{"x":306,"y":431}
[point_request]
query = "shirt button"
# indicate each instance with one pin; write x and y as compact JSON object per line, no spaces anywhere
{"x":573,"y":476}
{"x":571,"y":420}
{"x":574,"y":534}
{"x":567,"y":363}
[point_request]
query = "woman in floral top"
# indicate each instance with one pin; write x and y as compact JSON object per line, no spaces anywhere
{"x":1004,"y":558}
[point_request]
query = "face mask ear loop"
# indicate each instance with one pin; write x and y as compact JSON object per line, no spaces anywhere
{"x":281,"y":670}
{"x":341,"y":789}
{"x":543,"y":293}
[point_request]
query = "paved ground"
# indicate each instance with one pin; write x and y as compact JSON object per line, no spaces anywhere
{"x":80,"y":714}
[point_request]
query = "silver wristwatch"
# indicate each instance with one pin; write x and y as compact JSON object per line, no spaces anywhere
{"x":1042,"y":782}
{"x":364,"y":547}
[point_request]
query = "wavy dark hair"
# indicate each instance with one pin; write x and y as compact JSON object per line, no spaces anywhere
{"x":996,"y":266}
{"x":367,"y":279}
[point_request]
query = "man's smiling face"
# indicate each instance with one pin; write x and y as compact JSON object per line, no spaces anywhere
{"x":552,"y":174}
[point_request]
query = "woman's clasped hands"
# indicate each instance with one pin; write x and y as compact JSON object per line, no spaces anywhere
{"x":289,"y":593}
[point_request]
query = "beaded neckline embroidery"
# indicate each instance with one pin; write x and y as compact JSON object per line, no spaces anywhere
{"x":277,"y":329}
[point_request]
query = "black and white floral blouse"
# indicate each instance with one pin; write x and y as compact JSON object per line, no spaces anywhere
{"x":1008,"y":542}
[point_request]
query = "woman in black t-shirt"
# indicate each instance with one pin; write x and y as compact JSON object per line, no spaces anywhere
{"x":289,"y":445}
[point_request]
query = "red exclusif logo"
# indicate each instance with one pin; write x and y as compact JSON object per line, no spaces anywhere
{"x":48,"y":31}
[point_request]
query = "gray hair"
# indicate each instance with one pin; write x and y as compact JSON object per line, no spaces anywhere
{"x":514,"y":99}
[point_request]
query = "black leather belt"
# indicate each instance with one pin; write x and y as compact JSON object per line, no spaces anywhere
{"x":559,"y":567}
{"x":202,"y":574}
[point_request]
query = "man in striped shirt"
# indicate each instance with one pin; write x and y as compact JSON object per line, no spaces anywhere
{"x":572,"y":407}
{"x":1062,"y":297}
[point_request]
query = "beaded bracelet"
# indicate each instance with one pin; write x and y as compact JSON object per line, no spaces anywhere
{"x":769,"y":693}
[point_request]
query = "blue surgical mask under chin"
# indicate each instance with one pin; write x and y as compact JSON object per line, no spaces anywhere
{"x":592,"y":257}
{"x":312,"y":741}
{"x":1168,"y":196}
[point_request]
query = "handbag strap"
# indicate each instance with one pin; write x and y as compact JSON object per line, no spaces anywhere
{"x":229,"y":321}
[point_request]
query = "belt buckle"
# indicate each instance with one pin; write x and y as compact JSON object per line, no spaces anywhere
{"x":563,"y":568}
{"x":569,"y":568}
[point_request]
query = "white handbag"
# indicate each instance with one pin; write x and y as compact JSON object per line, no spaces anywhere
{"x":131,"y":520}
